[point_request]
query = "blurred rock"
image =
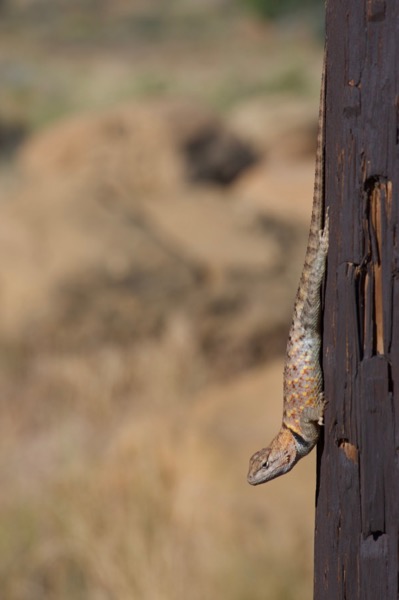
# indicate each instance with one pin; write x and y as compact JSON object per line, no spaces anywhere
{"x":12,"y":134}
{"x":152,"y":137}
{"x":216,"y":156}
{"x":107,"y":242}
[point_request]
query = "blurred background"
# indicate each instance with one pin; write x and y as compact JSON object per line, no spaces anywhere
{"x":156,"y":175}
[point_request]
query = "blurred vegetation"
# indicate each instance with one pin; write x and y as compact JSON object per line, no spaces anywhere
{"x":154,"y":19}
{"x":36,"y":91}
{"x":270,"y":9}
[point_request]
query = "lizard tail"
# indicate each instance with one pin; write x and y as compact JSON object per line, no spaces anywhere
{"x":310,"y":272}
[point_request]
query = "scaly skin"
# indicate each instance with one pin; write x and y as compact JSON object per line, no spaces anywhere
{"x":303,"y":380}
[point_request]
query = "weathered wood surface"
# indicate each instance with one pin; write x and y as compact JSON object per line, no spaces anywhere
{"x":357,"y":515}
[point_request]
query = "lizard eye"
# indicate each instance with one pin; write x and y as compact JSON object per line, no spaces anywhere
{"x":264,"y":464}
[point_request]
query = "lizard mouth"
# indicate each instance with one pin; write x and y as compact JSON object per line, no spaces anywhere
{"x":251,"y":480}
{"x":254,"y":479}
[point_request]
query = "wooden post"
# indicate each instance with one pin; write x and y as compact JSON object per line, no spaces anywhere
{"x":357,"y":514}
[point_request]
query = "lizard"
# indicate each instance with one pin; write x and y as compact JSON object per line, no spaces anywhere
{"x":304,"y":401}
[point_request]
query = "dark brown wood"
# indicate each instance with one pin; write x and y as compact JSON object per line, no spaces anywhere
{"x":357,"y":514}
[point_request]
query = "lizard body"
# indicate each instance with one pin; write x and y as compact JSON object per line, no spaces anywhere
{"x":303,"y":380}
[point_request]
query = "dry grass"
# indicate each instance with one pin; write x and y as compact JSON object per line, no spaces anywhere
{"x":115,"y":491}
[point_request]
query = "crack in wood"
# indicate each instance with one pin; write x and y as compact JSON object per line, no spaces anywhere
{"x":378,"y":190}
{"x":376,"y":10}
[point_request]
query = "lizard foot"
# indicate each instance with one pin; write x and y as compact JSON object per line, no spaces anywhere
{"x":315,"y":413}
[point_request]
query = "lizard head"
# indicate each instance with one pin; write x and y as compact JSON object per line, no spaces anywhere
{"x":275,"y":460}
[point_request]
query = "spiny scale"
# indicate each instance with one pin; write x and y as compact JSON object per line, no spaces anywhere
{"x":305,"y":306}
{"x":303,"y":381}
